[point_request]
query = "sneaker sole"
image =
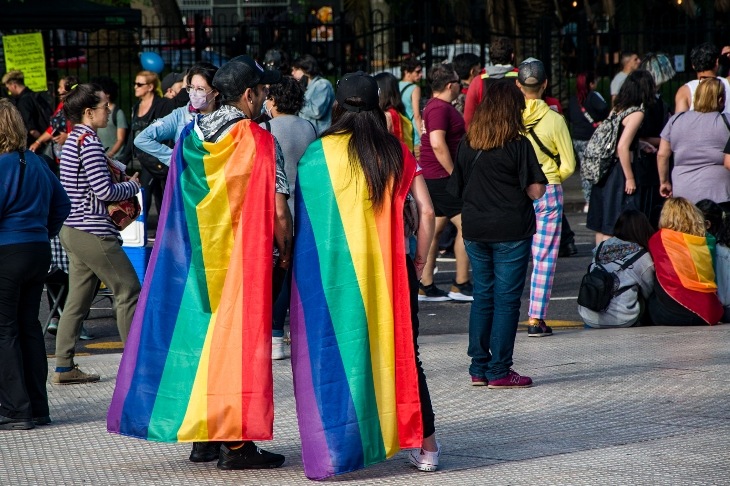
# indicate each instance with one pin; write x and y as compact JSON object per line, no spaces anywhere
{"x":18,"y":425}
{"x":424,"y":298}
{"x":75,"y":382}
{"x":541,"y":334}
{"x":272,"y":465}
{"x":201,"y":459}
{"x":479,"y":383}
{"x":497,"y":387}
{"x":460,"y":297}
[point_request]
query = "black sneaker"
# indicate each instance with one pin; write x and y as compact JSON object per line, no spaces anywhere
{"x":7,"y":423}
{"x":462,"y":292}
{"x":538,"y":328}
{"x":248,"y":457}
{"x":431,"y":293}
{"x":205,"y":451}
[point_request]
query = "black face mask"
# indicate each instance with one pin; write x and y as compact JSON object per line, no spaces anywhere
{"x":304,"y":81}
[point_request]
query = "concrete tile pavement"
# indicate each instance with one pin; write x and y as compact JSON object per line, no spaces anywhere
{"x":624,"y":406}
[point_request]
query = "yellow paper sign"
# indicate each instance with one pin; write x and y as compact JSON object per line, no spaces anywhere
{"x":24,"y":52}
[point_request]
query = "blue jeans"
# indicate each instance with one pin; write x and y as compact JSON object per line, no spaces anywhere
{"x":498,"y":273}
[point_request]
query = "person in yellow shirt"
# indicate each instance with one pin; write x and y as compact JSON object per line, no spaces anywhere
{"x":549,"y":135}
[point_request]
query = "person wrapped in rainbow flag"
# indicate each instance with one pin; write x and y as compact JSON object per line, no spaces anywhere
{"x":197,"y":365}
{"x":360,"y":391}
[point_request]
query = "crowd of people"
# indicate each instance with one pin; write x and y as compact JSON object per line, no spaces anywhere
{"x":348,"y":192}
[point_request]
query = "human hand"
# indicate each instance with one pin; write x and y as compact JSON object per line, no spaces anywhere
{"x":665,"y":189}
{"x":34,"y":146}
{"x":60,"y":139}
{"x":646,"y":147}
{"x":630,"y":186}
{"x":135,"y":179}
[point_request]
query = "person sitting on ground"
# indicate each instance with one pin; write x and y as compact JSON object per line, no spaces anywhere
{"x":697,"y":139}
{"x":714,"y":215}
{"x":685,"y":293}
{"x":636,"y":282}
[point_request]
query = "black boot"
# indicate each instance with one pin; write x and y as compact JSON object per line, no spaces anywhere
{"x":248,"y":457}
{"x":205,"y":451}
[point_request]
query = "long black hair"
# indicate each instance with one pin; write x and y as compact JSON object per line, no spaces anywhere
{"x":371,"y":148}
{"x":389,"y":92}
{"x":632,"y":225}
{"x":638,"y":89}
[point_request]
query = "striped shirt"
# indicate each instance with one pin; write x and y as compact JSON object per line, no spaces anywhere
{"x":89,"y":184}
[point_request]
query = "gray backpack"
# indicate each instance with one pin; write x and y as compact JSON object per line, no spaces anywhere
{"x":600,"y":153}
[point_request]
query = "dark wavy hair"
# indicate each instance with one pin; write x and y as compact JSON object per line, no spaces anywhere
{"x":409,"y":65}
{"x":464,"y":62}
{"x":288,"y":95}
{"x":638,"y":89}
{"x":371,"y":148}
{"x":713,"y":213}
{"x":108,"y":85}
{"x":499,"y":120}
{"x":632,"y":225}
{"x":440,"y":75}
{"x":308,"y":64}
{"x":704,"y":57}
{"x":80,"y":98}
{"x":501,"y":50}
{"x":389,"y":92}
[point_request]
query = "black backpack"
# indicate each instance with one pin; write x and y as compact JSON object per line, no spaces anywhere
{"x":599,"y":285}
{"x":43,"y":111}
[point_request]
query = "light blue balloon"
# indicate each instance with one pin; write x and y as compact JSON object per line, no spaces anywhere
{"x":152,"y":61}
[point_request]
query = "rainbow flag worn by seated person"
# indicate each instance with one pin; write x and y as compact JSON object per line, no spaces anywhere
{"x":684,"y":266}
{"x":355,"y":377}
{"x":197,"y":364}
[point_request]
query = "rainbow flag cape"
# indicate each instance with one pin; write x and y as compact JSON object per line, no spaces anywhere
{"x":684,"y":267}
{"x":197,"y":364}
{"x":355,"y":379}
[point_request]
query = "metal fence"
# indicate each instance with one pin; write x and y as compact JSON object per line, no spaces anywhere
{"x":372,"y":42}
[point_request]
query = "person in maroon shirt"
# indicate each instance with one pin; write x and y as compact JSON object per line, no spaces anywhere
{"x":443,"y":130}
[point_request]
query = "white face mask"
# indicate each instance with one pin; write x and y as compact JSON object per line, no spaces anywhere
{"x":198,"y":101}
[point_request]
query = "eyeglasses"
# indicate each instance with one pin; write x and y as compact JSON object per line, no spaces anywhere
{"x":139,"y":85}
{"x":105,"y":106}
{"x":197,"y":89}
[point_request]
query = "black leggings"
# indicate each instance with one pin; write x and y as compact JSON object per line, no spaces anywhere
{"x":429,"y":426}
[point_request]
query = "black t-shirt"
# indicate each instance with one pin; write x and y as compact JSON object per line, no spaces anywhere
{"x":496,"y":207}
{"x":596,"y":107}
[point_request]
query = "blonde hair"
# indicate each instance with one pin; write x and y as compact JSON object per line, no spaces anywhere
{"x":13,"y":135}
{"x":679,"y":214}
{"x":14,"y":77}
{"x":153,"y":79}
{"x":710,"y":96}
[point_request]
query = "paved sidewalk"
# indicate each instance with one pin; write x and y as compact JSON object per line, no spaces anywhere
{"x":626,"y":406}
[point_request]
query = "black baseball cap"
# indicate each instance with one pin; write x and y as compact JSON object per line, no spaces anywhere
{"x":171,"y":79}
{"x":358,"y":85}
{"x":240,"y":73}
{"x":531,"y":72}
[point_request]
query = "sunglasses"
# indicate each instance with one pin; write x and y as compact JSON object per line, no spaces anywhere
{"x":139,"y":85}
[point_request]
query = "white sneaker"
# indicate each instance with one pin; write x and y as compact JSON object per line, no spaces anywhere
{"x":279,"y":349}
{"x":425,"y":460}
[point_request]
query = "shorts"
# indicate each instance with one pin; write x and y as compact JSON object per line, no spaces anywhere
{"x":444,"y":204}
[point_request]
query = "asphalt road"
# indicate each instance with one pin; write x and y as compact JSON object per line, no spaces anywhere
{"x":436,"y":317}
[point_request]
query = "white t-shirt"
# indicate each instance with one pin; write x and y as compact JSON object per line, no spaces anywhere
{"x":692,"y":85}
{"x":617,"y":82}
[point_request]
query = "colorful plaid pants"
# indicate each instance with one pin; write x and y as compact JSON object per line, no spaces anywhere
{"x":545,"y":246}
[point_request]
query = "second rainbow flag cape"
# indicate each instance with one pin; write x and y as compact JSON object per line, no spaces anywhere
{"x":355,"y":379}
{"x":197,"y":364}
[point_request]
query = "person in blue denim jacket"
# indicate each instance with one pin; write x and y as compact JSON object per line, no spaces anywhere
{"x":203,"y":100}
{"x":319,"y":96}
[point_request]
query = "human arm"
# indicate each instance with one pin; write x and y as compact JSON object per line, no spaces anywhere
{"x":283,"y":231}
{"x":150,"y":139}
{"x":681,"y":99}
{"x":389,"y":121}
{"x":648,"y":277}
{"x":473,"y":97}
{"x":441,"y":149}
{"x":631,"y":125}
{"x":121,"y":123}
{"x":416,"y":105}
{"x":45,"y":137}
{"x":662,"y":160}
{"x":318,"y":99}
{"x":426,"y":222}
{"x":60,"y":205}
{"x":98,"y":176}
{"x":535,"y":191}
{"x":564,"y":146}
